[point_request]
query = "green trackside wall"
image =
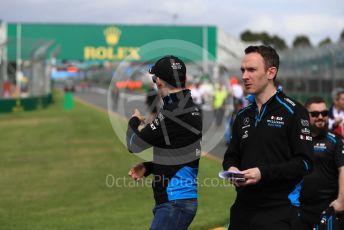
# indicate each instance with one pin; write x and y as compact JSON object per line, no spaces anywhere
{"x":108,"y":42}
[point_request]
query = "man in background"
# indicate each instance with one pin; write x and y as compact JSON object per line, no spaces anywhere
{"x":324,"y":187}
{"x":336,"y":112}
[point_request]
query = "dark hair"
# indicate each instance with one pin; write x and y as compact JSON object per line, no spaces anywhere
{"x":268,"y":53}
{"x":314,"y":100}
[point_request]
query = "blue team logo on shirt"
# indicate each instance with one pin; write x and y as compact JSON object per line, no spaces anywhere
{"x":275,"y":122}
{"x":320,"y":147}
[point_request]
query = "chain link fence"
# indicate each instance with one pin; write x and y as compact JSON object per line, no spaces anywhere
{"x":25,"y":83}
{"x":317,"y":70}
{"x":26,"y":78}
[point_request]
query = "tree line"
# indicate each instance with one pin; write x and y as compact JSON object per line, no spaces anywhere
{"x":279,"y":43}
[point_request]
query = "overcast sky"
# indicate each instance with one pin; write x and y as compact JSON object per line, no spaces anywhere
{"x":317,"y":19}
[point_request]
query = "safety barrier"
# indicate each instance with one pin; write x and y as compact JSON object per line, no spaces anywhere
{"x":25,"y":104}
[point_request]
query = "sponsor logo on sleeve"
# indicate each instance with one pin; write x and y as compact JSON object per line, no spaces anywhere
{"x":152,"y":126}
{"x":196,"y":112}
{"x":304,"y":122}
{"x":289,"y":101}
{"x":305,"y":131}
{"x":161,"y":117}
{"x":306,"y":137}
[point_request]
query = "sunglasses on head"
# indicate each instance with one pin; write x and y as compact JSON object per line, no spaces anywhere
{"x":154,"y":78}
{"x":317,"y":113}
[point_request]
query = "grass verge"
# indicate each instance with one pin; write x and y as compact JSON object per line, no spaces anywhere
{"x":67,"y":170}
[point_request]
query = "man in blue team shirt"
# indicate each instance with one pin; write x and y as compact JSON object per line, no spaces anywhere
{"x":324,"y":187}
{"x":269,"y":146}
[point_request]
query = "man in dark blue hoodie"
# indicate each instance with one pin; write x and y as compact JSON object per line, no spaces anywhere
{"x":175,"y":135}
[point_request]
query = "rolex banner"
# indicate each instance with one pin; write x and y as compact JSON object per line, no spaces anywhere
{"x":108,"y":42}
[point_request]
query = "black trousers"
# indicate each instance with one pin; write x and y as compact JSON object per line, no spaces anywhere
{"x":272,"y":218}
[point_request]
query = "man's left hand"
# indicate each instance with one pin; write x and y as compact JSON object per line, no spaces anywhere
{"x":251,"y":175}
{"x":337,"y":205}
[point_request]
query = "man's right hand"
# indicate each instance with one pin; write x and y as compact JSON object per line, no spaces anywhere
{"x":137,"y":172}
{"x":138,"y":115}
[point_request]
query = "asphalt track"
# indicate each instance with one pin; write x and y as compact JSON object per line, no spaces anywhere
{"x":213,"y":143}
